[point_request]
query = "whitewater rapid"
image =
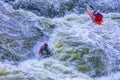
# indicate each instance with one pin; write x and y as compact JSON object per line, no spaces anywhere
{"x":69,"y":36}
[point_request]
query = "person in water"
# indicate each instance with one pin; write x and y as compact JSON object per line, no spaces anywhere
{"x":97,"y":15}
{"x":44,"y":50}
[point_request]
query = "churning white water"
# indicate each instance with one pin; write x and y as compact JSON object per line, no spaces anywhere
{"x":69,"y":29}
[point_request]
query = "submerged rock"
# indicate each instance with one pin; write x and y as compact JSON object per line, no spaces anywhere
{"x":3,"y":73}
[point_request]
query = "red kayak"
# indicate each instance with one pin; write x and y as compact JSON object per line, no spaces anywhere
{"x":90,"y":14}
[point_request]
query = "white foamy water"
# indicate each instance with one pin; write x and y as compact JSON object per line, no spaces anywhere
{"x":80,"y":29}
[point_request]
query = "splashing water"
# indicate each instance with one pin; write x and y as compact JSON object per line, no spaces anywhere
{"x":72,"y":32}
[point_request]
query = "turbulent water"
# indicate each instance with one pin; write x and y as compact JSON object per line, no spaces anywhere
{"x":82,"y":50}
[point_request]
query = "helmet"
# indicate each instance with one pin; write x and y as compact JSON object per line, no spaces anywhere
{"x":45,"y":45}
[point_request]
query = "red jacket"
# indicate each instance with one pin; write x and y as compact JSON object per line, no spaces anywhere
{"x":98,"y":17}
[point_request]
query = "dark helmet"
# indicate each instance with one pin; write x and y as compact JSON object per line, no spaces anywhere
{"x":45,"y":45}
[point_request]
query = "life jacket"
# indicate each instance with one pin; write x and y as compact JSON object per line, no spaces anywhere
{"x":98,"y":17}
{"x":44,"y":50}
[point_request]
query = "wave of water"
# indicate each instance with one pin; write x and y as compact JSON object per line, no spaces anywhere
{"x":57,"y":8}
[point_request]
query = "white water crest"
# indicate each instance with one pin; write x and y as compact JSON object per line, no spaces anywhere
{"x":46,"y":69}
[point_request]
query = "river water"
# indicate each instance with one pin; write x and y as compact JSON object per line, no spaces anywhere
{"x":82,"y":50}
